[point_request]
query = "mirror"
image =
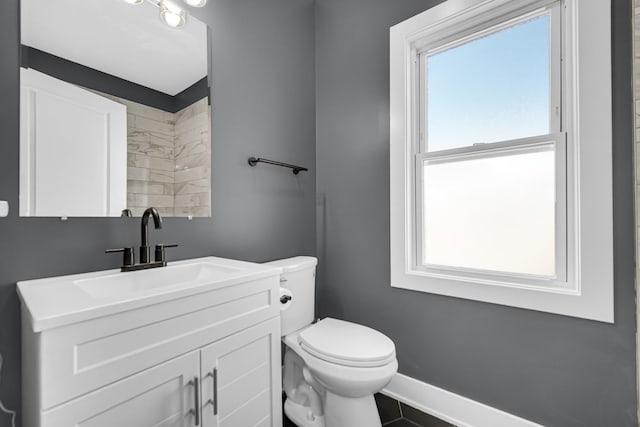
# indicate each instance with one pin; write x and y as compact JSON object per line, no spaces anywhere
{"x":114,"y":110}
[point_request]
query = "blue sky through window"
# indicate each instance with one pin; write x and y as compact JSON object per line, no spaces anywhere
{"x":492,"y":89}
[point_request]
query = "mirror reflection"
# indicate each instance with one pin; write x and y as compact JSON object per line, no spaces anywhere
{"x":115,"y":110}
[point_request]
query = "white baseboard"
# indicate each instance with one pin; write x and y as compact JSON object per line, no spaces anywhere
{"x":450,"y":407}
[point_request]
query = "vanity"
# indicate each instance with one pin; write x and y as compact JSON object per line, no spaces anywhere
{"x":115,"y":116}
{"x":196,"y":343}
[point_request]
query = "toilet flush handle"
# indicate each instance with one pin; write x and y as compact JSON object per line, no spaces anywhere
{"x":285,"y":299}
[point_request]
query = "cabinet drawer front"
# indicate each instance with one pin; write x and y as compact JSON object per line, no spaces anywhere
{"x":160,"y":396}
{"x":84,"y":356}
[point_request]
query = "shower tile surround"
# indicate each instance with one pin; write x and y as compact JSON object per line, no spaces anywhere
{"x":168,"y":156}
{"x":192,"y":153}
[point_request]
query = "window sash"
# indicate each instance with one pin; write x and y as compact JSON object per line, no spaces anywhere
{"x":558,"y":141}
{"x":483,"y":24}
{"x":467,"y":35}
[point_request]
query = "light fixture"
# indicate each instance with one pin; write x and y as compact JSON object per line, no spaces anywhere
{"x":196,"y":3}
{"x":171,"y":14}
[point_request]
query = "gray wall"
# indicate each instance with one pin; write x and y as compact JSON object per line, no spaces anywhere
{"x":555,"y":370}
{"x":551,"y":369}
{"x":263,"y":104}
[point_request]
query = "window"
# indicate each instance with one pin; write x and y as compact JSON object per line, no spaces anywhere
{"x":501,"y":154}
{"x":486,"y":168}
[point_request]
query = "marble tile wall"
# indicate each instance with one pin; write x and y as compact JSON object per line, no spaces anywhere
{"x":168,"y":159}
{"x":150,"y":159}
{"x":192,"y":160}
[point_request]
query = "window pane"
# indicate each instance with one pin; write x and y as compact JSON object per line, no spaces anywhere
{"x":494,"y":88}
{"x":491,"y":213}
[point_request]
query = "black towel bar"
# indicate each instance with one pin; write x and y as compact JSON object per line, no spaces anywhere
{"x":296,"y":169}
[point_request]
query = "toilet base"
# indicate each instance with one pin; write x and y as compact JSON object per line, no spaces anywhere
{"x":342,"y":411}
{"x":339,"y":412}
{"x":301,"y":415}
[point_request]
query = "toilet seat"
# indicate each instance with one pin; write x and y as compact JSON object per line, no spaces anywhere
{"x":347,"y":344}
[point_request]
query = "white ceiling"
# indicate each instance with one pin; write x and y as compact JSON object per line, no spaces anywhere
{"x":118,"y":38}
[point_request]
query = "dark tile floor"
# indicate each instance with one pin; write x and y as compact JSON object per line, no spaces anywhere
{"x":395,"y":414}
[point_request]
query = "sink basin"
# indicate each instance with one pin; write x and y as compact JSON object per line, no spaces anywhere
{"x":153,"y":279}
{"x":58,"y":301}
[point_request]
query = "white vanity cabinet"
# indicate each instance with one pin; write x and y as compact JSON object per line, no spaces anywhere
{"x":208,"y":356}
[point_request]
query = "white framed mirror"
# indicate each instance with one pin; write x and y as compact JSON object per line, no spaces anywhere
{"x":115,"y":111}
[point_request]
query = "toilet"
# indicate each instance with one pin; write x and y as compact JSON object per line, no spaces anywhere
{"x":332,"y":367}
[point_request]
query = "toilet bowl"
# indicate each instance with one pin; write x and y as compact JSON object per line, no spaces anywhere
{"x":344,"y":384}
{"x":332,"y":368}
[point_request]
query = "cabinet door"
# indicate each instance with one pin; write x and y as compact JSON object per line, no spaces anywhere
{"x":241,"y":382}
{"x":160,"y":396}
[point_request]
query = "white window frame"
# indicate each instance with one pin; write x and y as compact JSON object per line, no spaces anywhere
{"x":585,"y":288}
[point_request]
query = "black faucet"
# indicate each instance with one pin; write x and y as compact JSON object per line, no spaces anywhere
{"x":129,"y":263}
{"x":145,"y":250}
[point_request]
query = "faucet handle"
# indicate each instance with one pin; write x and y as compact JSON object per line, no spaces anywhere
{"x":128,"y":255}
{"x":160,"y":254}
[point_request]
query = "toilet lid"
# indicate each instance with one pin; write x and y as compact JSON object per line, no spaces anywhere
{"x":347,"y":344}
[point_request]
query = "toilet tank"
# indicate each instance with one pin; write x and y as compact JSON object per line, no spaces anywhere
{"x":299,"y":276}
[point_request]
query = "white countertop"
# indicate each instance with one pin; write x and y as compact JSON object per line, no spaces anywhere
{"x":58,"y":301}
